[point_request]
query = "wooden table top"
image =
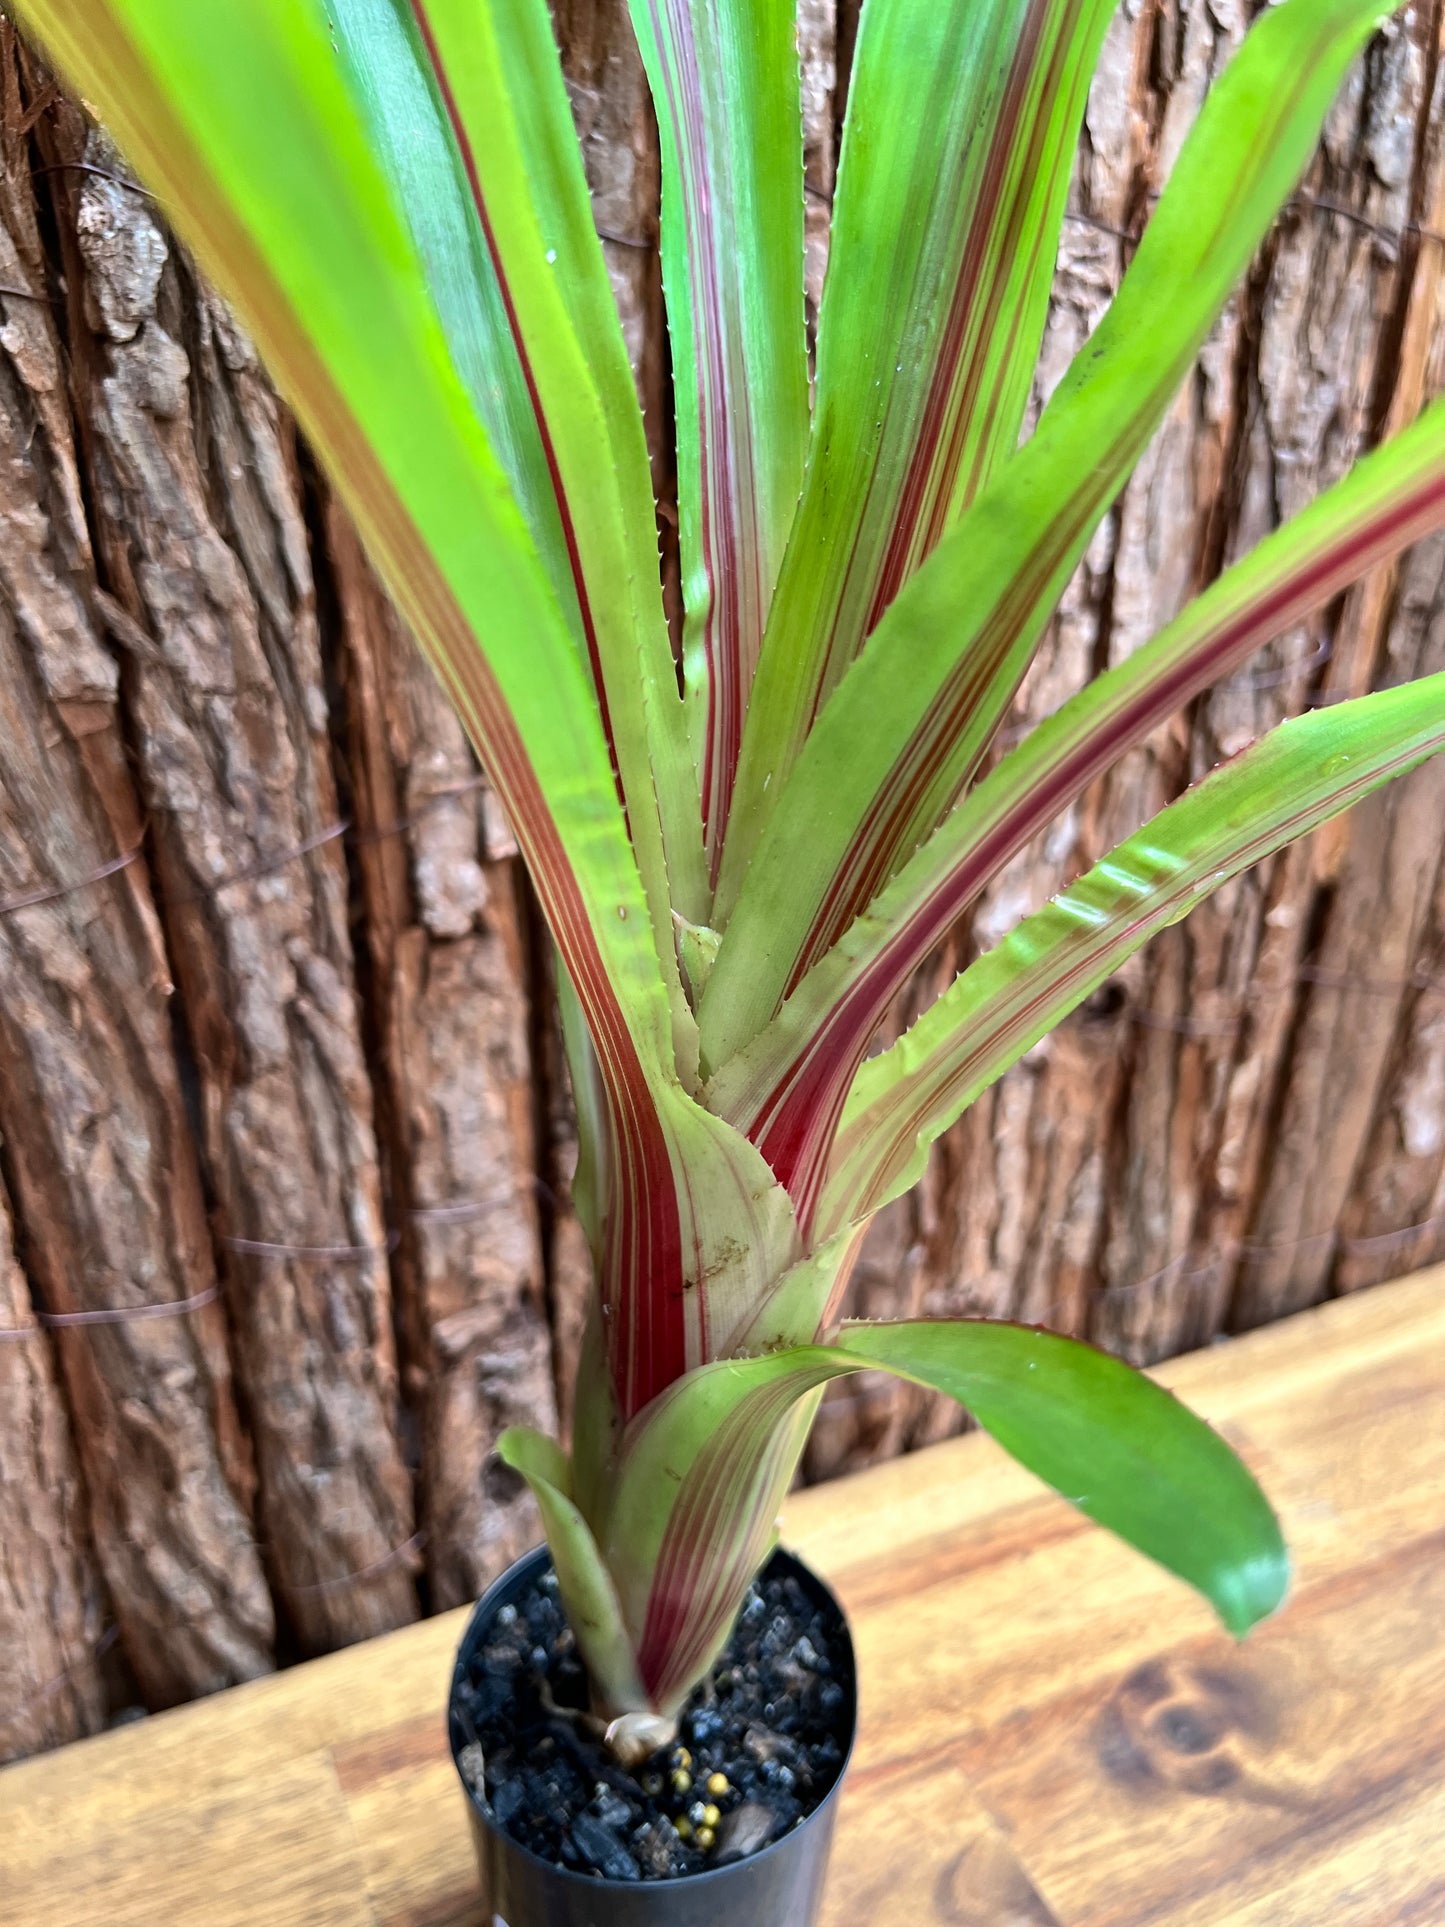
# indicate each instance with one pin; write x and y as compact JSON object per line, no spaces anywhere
{"x":1053,"y":1733}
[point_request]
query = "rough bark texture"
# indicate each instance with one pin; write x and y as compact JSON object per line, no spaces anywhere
{"x":203,"y":550}
{"x":50,"y":1595}
{"x":99,"y":1155}
{"x":293,"y":1067}
{"x":440,"y":891}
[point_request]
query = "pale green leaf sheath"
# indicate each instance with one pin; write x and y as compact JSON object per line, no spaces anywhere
{"x":908,"y":725}
{"x":961,"y":127}
{"x":593,"y":1611}
{"x":724,"y":79}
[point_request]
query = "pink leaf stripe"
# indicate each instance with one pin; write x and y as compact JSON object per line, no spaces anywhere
{"x":645,"y":1227}
{"x":569,"y":531}
{"x":645,"y":1232}
{"x":716,"y":1534}
{"x":644,"y":1250}
{"x":967,"y":624}
{"x":725,"y":589}
{"x":936,"y":329}
{"x":958,"y":419}
{"x":978,"y":680}
{"x":1065,"y":950}
{"x":796,"y":1120}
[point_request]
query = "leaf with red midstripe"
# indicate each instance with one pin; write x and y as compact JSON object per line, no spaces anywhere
{"x":239,"y":115}
{"x":787,"y":1087}
{"x":702,"y":1473}
{"x":906,"y":729}
{"x":668,"y":1307}
{"x":961,"y":130}
{"x":724,"y":79}
{"x":694,"y":1505}
{"x":1294,"y":779}
{"x":498,"y":77}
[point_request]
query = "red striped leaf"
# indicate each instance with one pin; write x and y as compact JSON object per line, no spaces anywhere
{"x":702,"y":1473}
{"x":906,"y":730}
{"x":498,"y":75}
{"x":724,"y":78}
{"x":961,"y":129}
{"x":787,"y":1088}
{"x":1296,"y":778}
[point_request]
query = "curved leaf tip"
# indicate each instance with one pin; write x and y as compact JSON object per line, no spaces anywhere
{"x":1126,"y":1452}
{"x":1254,"y":1589}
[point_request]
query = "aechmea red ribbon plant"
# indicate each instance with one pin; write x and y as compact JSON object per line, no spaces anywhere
{"x":744,"y":853}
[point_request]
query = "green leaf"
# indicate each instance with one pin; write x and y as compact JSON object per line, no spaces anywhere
{"x":788,"y":1084}
{"x":1111,"y":1442}
{"x":693,"y":1502}
{"x":694,"y":1289}
{"x":702,"y":1472}
{"x":391,"y":79}
{"x":498,"y":72}
{"x":583,"y":1581}
{"x":724,"y":79}
{"x":1297,"y":777}
{"x":961,"y":129}
{"x":904,"y":732}
{"x":238,"y":114}
{"x":697,"y":948}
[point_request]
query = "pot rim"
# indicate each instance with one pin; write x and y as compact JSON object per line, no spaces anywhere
{"x":690,"y":1882}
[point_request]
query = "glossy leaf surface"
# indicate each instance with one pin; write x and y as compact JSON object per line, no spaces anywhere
{"x":240,"y":114}
{"x":1111,"y":1442}
{"x":702,"y":1473}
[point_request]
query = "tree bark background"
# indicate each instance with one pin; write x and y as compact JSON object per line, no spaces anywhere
{"x":284,"y":1136}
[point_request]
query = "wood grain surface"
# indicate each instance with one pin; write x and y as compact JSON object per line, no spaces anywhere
{"x":1053,"y":1733}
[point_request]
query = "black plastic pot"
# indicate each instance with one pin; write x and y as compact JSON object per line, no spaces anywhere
{"x":779,"y":1886}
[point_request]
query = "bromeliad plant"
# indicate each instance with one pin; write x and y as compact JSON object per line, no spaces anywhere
{"x":741,"y":860}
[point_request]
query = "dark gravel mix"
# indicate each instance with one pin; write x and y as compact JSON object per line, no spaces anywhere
{"x":772,"y":1719}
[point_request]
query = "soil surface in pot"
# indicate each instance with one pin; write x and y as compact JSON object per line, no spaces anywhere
{"x":762,"y":1741}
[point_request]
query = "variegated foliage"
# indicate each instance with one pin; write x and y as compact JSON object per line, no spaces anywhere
{"x":743,"y":854}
